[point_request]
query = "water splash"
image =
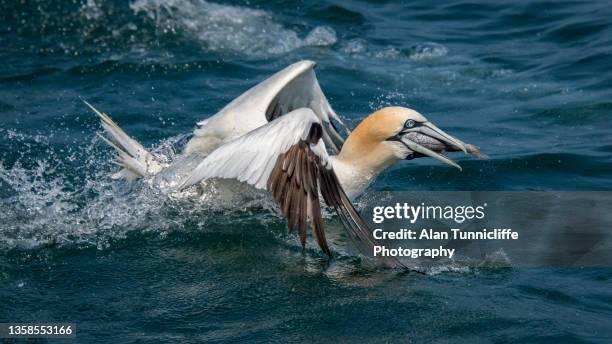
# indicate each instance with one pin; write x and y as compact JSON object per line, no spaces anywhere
{"x":418,"y":52}
{"x":321,"y":36}
{"x":68,"y":198}
{"x":229,"y":29}
{"x":426,"y":51}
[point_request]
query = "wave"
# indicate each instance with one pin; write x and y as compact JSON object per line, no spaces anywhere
{"x":230,"y":29}
{"x":152,"y":31}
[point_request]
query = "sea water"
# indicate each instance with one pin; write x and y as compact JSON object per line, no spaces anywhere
{"x":529,"y":82}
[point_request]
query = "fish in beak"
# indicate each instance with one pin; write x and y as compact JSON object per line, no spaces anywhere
{"x":425,"y":139}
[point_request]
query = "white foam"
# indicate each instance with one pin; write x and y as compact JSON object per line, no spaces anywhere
{"x":388,"y":53}
{"x":68,"y":198}
{"x":229,"y":29}
{"x":321,"y":36}
{"x":91,"y":10}
{"x":355,"y":46}
{"x":428,"y":50}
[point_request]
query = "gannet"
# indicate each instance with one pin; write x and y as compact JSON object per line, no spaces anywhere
{"x":275,"y":137}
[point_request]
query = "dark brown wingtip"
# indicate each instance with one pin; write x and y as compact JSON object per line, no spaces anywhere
{"x":315,"y":133}
{"x":293,"y":183}
{"x":317,"y":224}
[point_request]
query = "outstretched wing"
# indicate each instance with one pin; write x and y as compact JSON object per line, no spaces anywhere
{"x":292,"y":88}
{"x":251,"y":157}
{"x":288,"y":158}
{"x":302,"y":89}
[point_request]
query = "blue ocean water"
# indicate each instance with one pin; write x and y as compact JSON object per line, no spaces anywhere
{"x":528,"y":81}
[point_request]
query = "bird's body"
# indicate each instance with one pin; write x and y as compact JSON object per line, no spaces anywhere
{"x":275,"y":137}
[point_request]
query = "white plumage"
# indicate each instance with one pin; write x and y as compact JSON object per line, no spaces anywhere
{"x":251,"y":157}
{"x":294,"y":87}
{"x":131,"y":155}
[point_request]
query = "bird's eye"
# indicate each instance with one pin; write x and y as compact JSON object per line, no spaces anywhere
{"x":410,"y":123}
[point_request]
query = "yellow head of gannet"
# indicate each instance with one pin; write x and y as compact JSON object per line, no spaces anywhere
{"x":386,"y":136}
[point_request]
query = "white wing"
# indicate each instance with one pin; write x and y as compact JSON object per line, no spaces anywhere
{"x":292,"y":88}
{"x":250,"y":158}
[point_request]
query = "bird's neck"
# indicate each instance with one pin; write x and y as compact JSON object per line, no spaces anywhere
{"x":358,"y":165}
{"x":353,"y":181}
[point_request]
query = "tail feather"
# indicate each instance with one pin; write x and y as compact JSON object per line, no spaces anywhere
{"x":135,"y":160}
